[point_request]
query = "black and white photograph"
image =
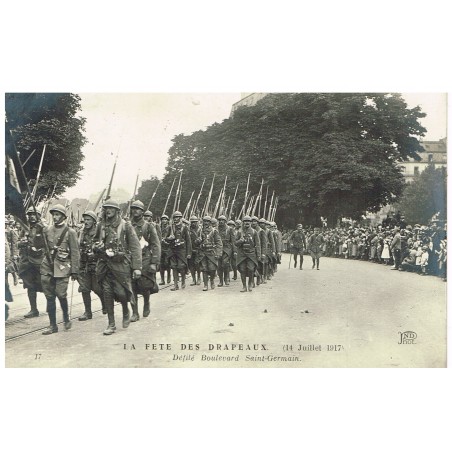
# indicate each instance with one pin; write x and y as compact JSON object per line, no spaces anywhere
{"x":226,"y":230}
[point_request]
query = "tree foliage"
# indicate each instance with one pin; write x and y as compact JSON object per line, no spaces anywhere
{"x":425,"y":196}
{"x":38,"y":119}
{"x":324,"y":154}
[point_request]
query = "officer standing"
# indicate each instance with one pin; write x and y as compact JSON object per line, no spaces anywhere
{"x":178,"y":239}
{"x":150,"y":254}
{"x":64,"y":262}
{"x":193,"y":261}
{"x":297,"y":241}
{"x":119,"y":258}
{"x":315,"y":247}
{"x":165,"y":250}
{"x":88,"y":260}
{"x":224,"y":262}
{"x":31,"y":254}
{"x":210,"y":248}
{"x":248,"y":253}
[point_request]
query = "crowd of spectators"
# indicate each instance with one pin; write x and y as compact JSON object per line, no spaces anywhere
{"x":419,"y":248}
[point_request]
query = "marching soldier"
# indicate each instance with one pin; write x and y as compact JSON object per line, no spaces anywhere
{"x":210,"y":248}
{"x":31,"y":254}
{"x":278,"y":244}
{"x":150,"y":245}
{"x":165,"y":251}
{"x":148,"y":216}
{"x":297,"y":242}
{"x":263,"y":264}
{"x":228,"y":241}
{"x":119,"y":257}
{"x":237,"y":227}
{"x":88,"y":260}
{"x":64,"y":262}
{"x":248,"y":253}
{"x":178,"y":239}
{"x":259,"y":269}
{"x":271,"y":251}
{"x":231,"y":224}
{"x":193,"y":264}
{"x":315,"y":247}
{"x":11,"y":238}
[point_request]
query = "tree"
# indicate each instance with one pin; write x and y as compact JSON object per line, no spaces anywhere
{"x":324,"y":154}
{"x":38,"y":119}
{"x":425,"y":196}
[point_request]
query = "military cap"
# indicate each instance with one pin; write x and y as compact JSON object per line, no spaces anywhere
{"x":207,"y":218}
{"x":138,"y":205}
{"x":164,"y":216}
{"x":246,"y":218}
{"x":194,"y":218}
{"x":111,"y":203}
{"x":222,"y":217}
{"x":148,"y":213}
{"x":177,"y":214}
{"x":58,"y":208}
{"x":31,"y":210}
{"x":90,"y":213}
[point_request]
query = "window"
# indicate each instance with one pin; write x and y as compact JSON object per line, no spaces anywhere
{"x":416,"y":170}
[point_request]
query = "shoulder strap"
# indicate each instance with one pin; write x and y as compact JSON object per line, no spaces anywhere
{"x":63,"y":234}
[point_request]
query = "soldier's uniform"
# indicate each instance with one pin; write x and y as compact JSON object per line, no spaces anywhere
{"x":119,"y":254}
{"x":248,"y":253}
{"x":165,"y":250}
{"x":150,"y":252}
{"x":263,"y":264}
{"x":88,"y":261}
{"x":271,"y":252}
{"x":297,"y":242}
{"x":178,"y":239}
{"x":231,"y":224}
{"x":278,"y":244}
{"x":64,"y":262}
{"x":315,"y":247}
{"x":148,"y":216}
{"x":209,"y":250}
{"x":228,"y":241}
{"x":193,"y":263}
{"x":237,"y":227}
{"x":31,"y":253}
{"x":11,"y":238}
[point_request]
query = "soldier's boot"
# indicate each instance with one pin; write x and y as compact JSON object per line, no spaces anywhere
{"x":235,"y":274}
{"x":295,"y":263}
{"x":258,"y":280}
{"x":15,"y":278}
{"x":212,"y":280}
{"x":168,"y":276}
{"x":162,"y":276}
{"x":313,"y":263}
{"x":87,"y":315}
{"x":32,"y":297}
{"x":199,"y":278}
{"x":193,"y":277}
{"x":250,"y":283}
{"x":176,"y":280}
{"x":65,"y":308}
{"x":125,"y":314}
{"x":205,"y":280}
{"x":109,"y":306}
{"x":182,"y":275}
{"x":135,"y":316}
{"x":317,"y":263}
{"x":226,"y":277}
{"x":243,"y":278}
{"x":104,"y":308}
{"x":147,"y":305}
{"x":301,"y":263}
{"x":220,"y":275}
{"x":264,"y":274}
{"x":51,"y":310}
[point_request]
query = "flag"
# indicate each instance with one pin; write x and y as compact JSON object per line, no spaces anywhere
{"x":15,"y":182}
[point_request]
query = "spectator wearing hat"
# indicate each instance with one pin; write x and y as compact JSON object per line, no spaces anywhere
{"x":64,"y":262}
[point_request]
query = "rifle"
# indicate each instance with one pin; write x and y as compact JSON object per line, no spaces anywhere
{"x":188,"y":205}
{"x":153,"y":194}
{"x":206,"y":209}
{"x":195,"y":206}
{"x":107,"y":196}
{"x":233,"y":201}
{"x":177,"y":192}
{"x":35,"y":188}
{"x":167,"y":199}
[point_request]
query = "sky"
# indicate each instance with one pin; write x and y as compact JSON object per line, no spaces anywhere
{"x":138,"y":128}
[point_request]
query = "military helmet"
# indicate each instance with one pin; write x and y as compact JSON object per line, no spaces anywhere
{"x":177,"y":214}
{"x":138,"y":205}
{"x":90,"y":213}
{"x":222,"y":217}
{"x":148,"y":213}
{"x":254,"y":218}
{"x":238,"y":222}
{"x":263,"y":220}
{"x":185,"y":221}
{"x":31,"y":210}
{"x":207,"y":218}
{"x":231,"y":223}
{"x":58,"y":208}
{"x":111,"y":203}
{"x":194,"y":218}
{"x":246,"y":218}
{"x":164,"y":216}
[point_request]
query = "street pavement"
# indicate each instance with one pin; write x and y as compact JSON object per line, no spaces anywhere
{"x":347,"y":314}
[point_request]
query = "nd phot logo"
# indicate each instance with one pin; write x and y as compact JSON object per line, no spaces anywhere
{"x":407,"y":337}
